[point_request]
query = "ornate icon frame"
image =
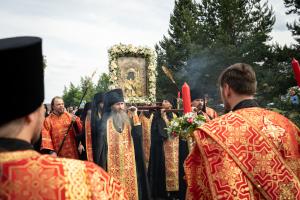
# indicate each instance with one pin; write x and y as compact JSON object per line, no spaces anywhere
{"x":122,"y":50}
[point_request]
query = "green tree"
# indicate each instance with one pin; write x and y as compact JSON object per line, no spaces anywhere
{"x":103,"y":83}
{"x":277,"y":75}
{"x":239,"y":29}
{"x":223,"y":32}
{"x":175,"y":49}
{"x":71,"y":95}
{"x":87,"y":87}
{"x":293,"y":8}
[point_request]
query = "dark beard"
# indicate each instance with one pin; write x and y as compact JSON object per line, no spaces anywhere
{"x":119,"y":118}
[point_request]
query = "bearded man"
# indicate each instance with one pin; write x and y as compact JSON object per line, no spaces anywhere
{"x":199,"y":103}
{"x":120,"y":147}
{"x":54,"y":129}
{"x":248,"y":153}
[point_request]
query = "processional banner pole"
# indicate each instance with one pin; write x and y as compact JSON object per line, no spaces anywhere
{"x":168,"y":73}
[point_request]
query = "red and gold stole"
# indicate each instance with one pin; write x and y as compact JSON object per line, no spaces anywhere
{"x":88,"y":137}
{"x":121,"y":158}
{"x":171,"y":150}
{"x":53,"y":133}
{"x":237,"y":157}
{"x":29,"y":175}
{"x":146,"y":125}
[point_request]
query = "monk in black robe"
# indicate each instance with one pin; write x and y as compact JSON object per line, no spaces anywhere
{"x":96,"y":117}
{"x":121,"y":147}
{"x":166,"y":158}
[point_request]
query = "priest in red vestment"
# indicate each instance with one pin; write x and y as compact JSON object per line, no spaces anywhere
{"x":248,"y":153}
{"x":24,"y":173}
{"x":55,"y":128}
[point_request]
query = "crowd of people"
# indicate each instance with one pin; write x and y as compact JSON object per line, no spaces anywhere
{"x":115,"y":151}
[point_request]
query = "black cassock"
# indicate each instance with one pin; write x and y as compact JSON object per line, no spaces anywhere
{"x":156,"y":170}
{"x":101,"y":155}
{"x":95,"y":128}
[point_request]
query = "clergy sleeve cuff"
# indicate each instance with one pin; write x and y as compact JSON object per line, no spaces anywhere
{"x":136,"y":120}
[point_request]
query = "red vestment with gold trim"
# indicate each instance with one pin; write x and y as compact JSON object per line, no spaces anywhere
{"x":30,"y":175}
{"x":251,"y":153}
{"x":53,"y":132}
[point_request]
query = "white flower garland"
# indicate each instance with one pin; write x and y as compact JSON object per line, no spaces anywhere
{"x":121,"y":50}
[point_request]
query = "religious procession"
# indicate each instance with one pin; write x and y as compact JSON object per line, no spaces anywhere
{"x":200,"y":116}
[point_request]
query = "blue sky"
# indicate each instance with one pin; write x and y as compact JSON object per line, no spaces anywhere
{"x":77,"y":33}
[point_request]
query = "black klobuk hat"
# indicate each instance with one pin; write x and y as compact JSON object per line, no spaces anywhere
{"x":22,"y":81}
{"x":98,"y":97}
{"x":196,"y":94}
{"x":112,"y":97}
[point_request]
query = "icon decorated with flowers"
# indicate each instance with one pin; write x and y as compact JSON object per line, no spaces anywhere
{"x":183,"y":127}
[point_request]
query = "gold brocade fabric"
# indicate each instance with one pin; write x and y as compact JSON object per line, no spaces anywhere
{"x":88,"y":138}
{"x":171,"y":150}
{"x":29,"y":175}
{"x":146,"y":125}
{"x":121,"y":158}
{"x":248,"y":154}
{"x":53,"y":133}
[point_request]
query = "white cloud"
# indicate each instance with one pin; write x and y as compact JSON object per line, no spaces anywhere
{"x":77,"y":34}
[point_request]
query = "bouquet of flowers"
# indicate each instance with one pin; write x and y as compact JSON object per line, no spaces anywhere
{"x":184,"y":126}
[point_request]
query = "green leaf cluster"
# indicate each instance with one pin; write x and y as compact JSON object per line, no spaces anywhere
{"x":73,"y":94}
{"x":206,"y":36}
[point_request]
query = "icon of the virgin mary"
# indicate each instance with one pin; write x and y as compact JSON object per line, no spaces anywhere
{"x":130,"y":83}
